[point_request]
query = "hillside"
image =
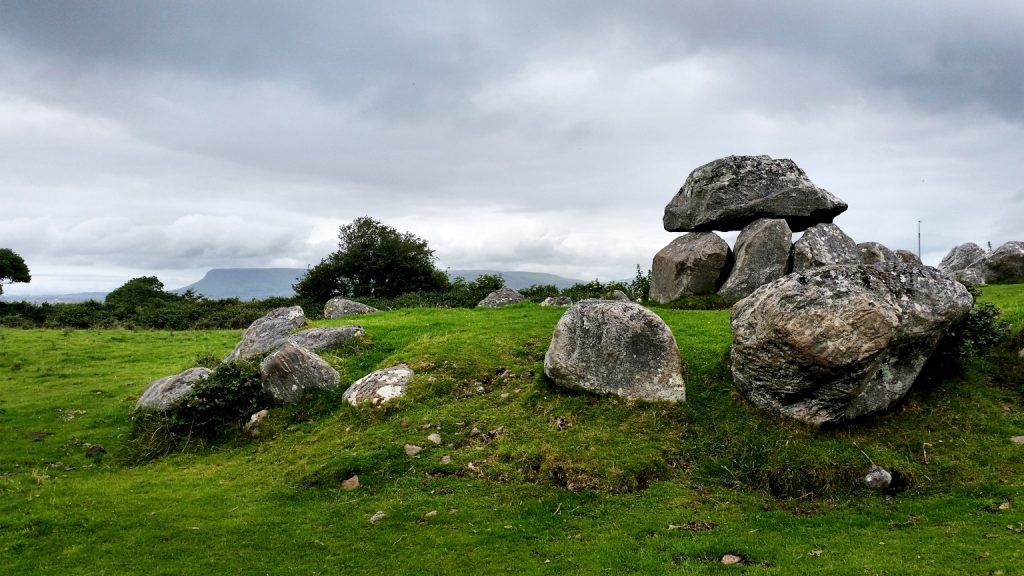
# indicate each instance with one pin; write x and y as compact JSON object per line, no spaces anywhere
{"x":553,"y":482}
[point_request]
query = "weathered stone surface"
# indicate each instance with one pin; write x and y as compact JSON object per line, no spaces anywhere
{"x":878,"y":478}
{"x":619,"y":348}
{"x":961,"y":257}
{"x":1003,"y":263}
{"x":875,"y":253}
{"x":619,"y":296}
{"x":501,"y":297}
{"x":692,"y":264}
{"x":256,"y":425}
{"x":291,"y":370}
{"x":762,"y":255}
{"x":168,"y":392}
{"x":824,"y":245}
{"x":268,"y":333}
{"x":907,"y":257}
{"x":732,"y":192}
{"x":834,"y":343}
{"x":338,"y":307}
{"x":557,"y":301}
{"x":317,"y":339}
{"x":379,"y":386}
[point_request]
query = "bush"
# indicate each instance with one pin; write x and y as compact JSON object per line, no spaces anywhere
{"x":538,"y":292}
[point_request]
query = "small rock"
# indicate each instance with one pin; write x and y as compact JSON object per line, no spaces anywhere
{"x":351,"y":483}
{"x":430,"y":514}
{"x":731,"y":559}
{"x":1019,"y":440}
{"x":446,"y":459}
{"x":475,"y":432}
{"x":496,"y":432}
{"x":377,"y":517}
{"x":255,"y":424}
{"x":878,"y":478}
{"x":435,"y":438}
{"x":404,"y":423}
{"x":339,"y":307}
{"x":95,"y":450}
{"x":380,"y":386}
{"x":412,"y":449}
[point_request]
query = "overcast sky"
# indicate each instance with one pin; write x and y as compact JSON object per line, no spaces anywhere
{"x":167,"y":138}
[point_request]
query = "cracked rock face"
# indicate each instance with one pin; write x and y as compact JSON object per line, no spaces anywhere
{"x":290,"y":371}
{"x":268,"y":333}
{"x":380,"y":386}
{"x":824,"y":245}
{"x":692,"y":264}
{"x":730,"y":193}
{"x":838,"y":342}
{"x":762,"y":255}
{"x":168,"y":392}
{"x":621,"y":348}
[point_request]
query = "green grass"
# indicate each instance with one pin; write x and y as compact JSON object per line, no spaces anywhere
{"x":574,"y":484}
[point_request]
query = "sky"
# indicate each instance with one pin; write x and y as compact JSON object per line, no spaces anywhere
{"x":167,"y":138}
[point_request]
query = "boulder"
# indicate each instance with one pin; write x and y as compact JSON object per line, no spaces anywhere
{"x":960,"y":257}
{"x":762,"y":255}
{"x":501,"y":297}
{"x":380,"y":386}
{"x":268,"y":333}
{"x":619,"y":296}
{"x":317,"y":339}
{"x":557,"y":301}
{"x":1003,"y":263}
{"x":291,"y":370}
{"x":824,"y":245}
{"x":834,"y":343}
{"x":169,"y":391}
{"x":692,"y":264}
{"x":875,"y":253}
{"x":620,"y":348}
{"x":732,"y":192}
{"x":908,"y":257}
{"x":338,"y":307}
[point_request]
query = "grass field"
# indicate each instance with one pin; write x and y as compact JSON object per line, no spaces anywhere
{"x":567,"y":484}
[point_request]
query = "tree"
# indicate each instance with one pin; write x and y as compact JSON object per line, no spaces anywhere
{"x":12,"y":268}
{"x":373,"y":260}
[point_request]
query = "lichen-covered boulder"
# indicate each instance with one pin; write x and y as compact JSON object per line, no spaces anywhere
{"x":167,"y":392}
{"x":317,"y":339}
{"x":339,"y":307}
{"x":960,"y":257}
{"x":762,"y":255}
{"x":380,"y":386}
{"x":268,"y":333}
{"x":697,"y":263}
{"x":834,"y":343}
{"x":501,"y":297}
{"x":620,"y":348}
{"x":732,"y":192}
{"x":908,"y":257}
{"x":1003,"y":263}
{"x":875,"y":253}
{"x":287,"y":373}
{"x":824,"y":245}
{"x":557,"y":301}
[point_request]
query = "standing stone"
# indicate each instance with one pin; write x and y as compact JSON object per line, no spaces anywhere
{"x":289,"y":372}
{"x":732,"y":192}
{"x":619,"y":348}
{"x":824,"y":245}
{"x":338,"y":307}
{"x":268,"y":333}
{"x":1006,"y":262}
{"x":557,"y":301}
{"x":168,"y":392}
{"x":908,"y":257}
{"x":875,"y":253}
{"x":692,"y":264}
{"x":960,"y":257}
{"x":762,"y":255}
{"x":317,"y":339}
{"x":380,"y":386}
{"x":501,"y":297}
{"x":834,"y":343}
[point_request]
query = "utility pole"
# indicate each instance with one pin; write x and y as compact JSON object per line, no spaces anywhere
{"x":918,"y":239}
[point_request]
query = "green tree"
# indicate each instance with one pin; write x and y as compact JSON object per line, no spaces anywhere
{"x":373,"y":261}
{"x":12,"y":268}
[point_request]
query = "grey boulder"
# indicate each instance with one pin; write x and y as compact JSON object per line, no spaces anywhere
{"x":291,"y":370}
{"x":268,"y":333}
{"x":824,"y":245}
{"x":762,"y":255}
{"x":1006,"y":262}
{"x":835,"y":343}
{"x":619,"y":348}
{"x":693,"y":264}
{"x":619,"y":296}
{"x":501,"y":297}
{"x":875,"y":253}
{"x":908,"y":257}
{"x":380,"y":386}
{"x":960,"y":257}
{"x":167,"y":392}
{"x":557,"y":301}
{"x":317,"y":339}
{"x":338,"y":307}
{"x":732,"y":192}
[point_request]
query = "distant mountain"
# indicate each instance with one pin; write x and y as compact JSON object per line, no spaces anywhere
{"x":517,"y":280}
{"x":245,"y":283}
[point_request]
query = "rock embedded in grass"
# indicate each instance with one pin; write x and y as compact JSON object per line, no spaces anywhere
{"x":557,"y":301}
{"x":835,"y":343}
{"x":268,"y":333}
{"x":291,"y":370}
{"x":619,"y":348}
{"x":317,"y":339}
{"x":167,"y":392}
{"x":339,"y":307}
{"x":501,"y":297}
{"x":693,"y":264}
{"x":380,"y":386}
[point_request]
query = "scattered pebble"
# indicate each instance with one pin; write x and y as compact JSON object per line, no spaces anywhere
{"x":1019,"y":440}
{"x":435,"y":438}
{"x":404,"y":423}
{"x":430,"y":514}
{"x":377,"y":517}
{"x":350,"y":484}
{"x":446,"y":459}
{"x":473,"y":432}
{"x":94,"y":450}
{"x":731,"y":559}
{"x":504,"y":395}
{"x":412,"y":449}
